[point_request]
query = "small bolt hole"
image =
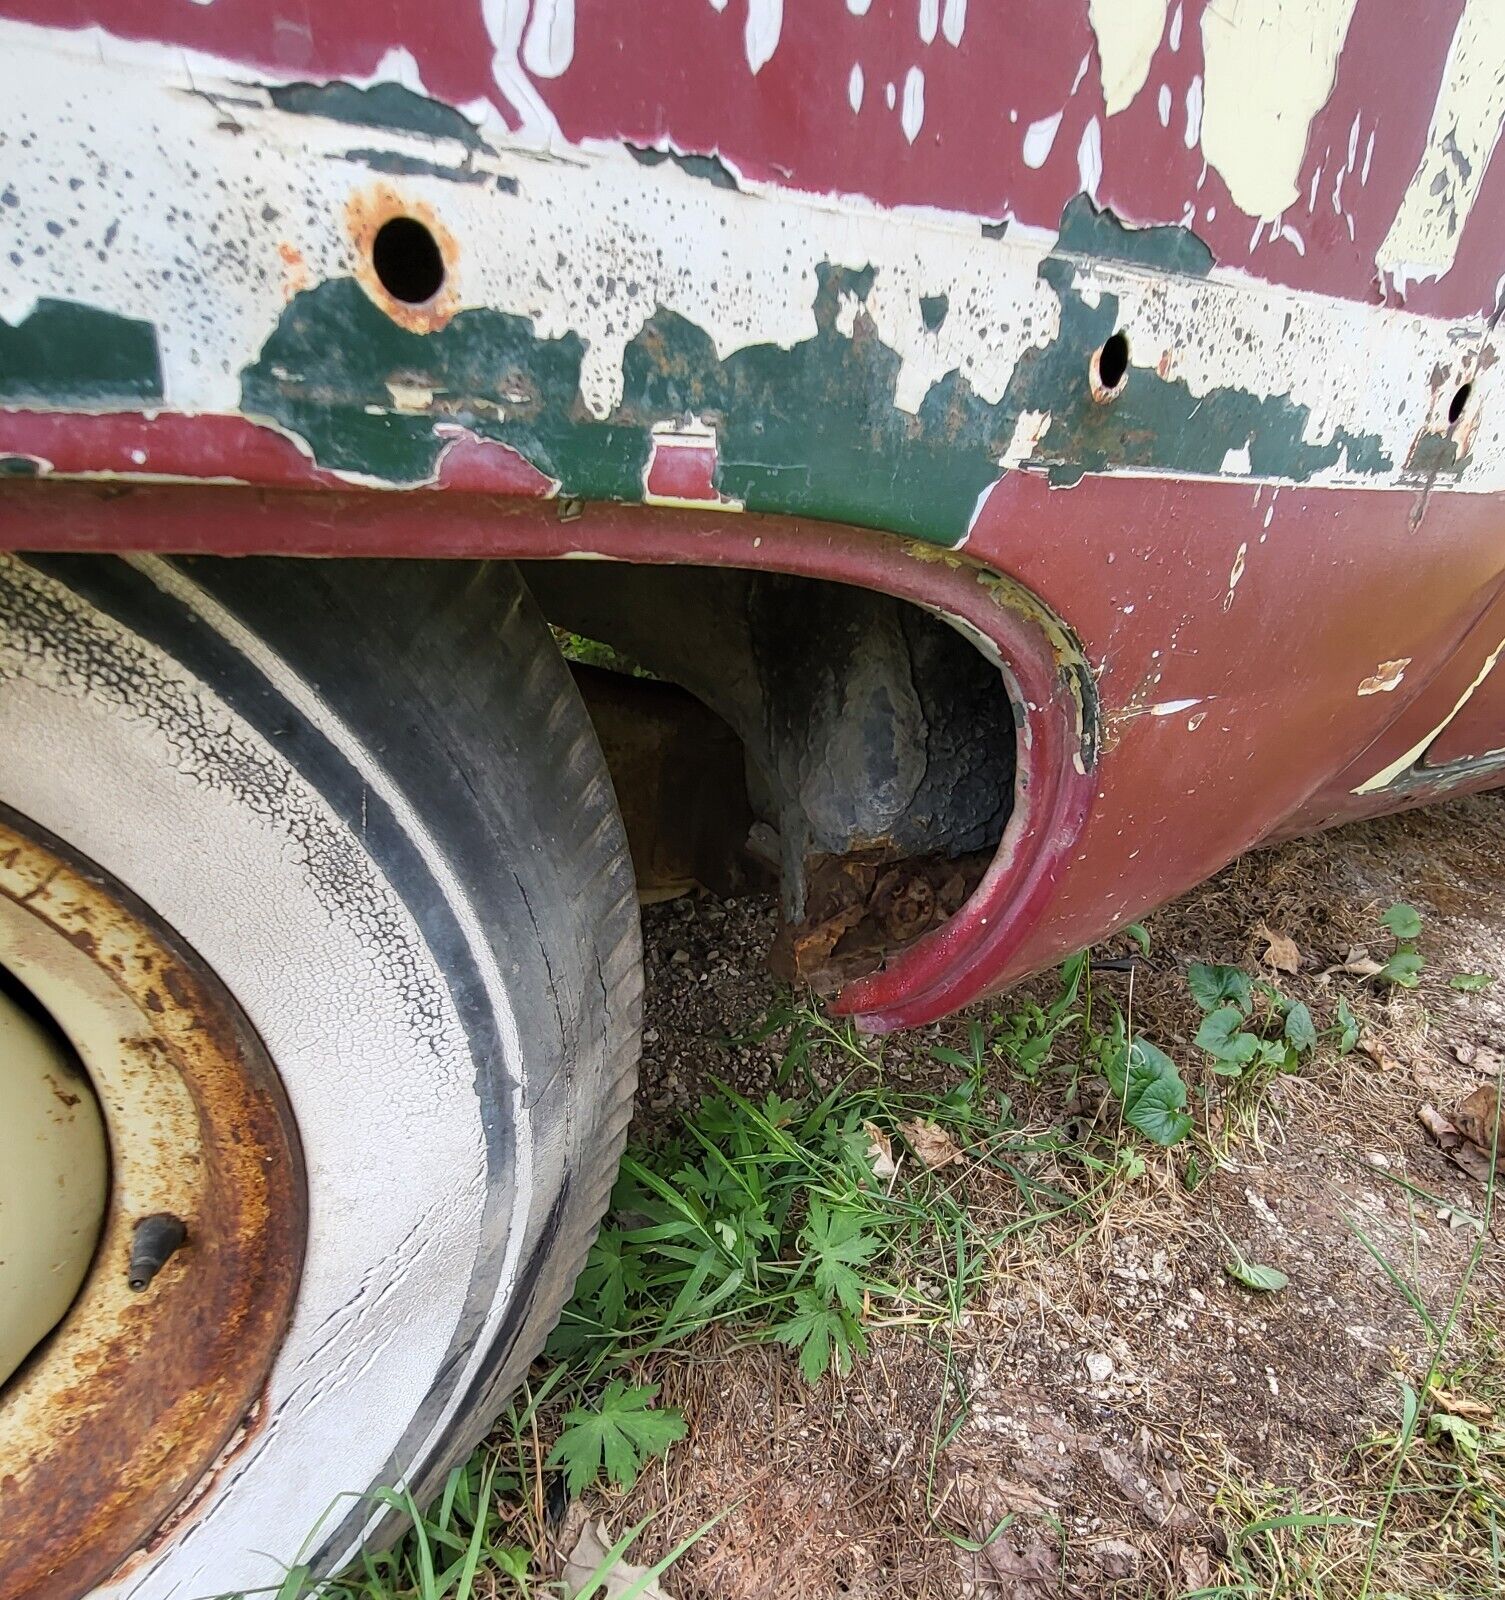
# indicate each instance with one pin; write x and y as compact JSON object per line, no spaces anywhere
{"x":1113,"y":361}
{"x":407,"y":261}
{"x":1458,"y":402}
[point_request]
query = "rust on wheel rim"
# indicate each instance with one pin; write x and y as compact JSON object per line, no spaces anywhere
{"x":117,"y":1423}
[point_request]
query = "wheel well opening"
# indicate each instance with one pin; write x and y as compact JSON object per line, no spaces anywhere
{"x":762,"y":729}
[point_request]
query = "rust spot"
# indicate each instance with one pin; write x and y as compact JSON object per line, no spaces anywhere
{"x":861,"y":908}
{"x":295,"y":274}
{"x":366,"y":212}
{"x":60,"y":1092}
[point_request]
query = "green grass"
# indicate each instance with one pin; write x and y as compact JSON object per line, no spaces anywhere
{"x":775,"y":1219}
{"x":814,"y":1214}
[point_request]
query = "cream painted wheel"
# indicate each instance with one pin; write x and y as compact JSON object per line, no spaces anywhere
{"x":54,"y":1175}
{"x":363,"y":800}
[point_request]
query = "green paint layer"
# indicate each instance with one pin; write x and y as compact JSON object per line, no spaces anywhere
{"x":1088,"y":231}
{"x":384,"y":105}
{"x":810,"y":430}
{"x":328,"y":372}
{"x":1155,"y":423}
{"x":65,"y":355}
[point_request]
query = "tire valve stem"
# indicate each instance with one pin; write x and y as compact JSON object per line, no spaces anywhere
{"x":155,"y":1239}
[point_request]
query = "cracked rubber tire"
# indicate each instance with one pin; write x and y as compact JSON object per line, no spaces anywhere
{"x":367,"y":795}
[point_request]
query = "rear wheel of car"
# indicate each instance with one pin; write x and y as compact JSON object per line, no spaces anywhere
{"x":312,"y":875}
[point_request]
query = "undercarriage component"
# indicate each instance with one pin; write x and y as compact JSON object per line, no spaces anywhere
{"x":879,"y":741}
{"x":678,"y":773}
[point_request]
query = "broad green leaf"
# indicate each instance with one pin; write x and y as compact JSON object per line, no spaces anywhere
{"x":1463,"y":1435}
{"x":836,"y":1243}
{"x":1221,"y":1035}
{"x":1470,"y":982}
{"x":1154,"y":1095}
{"x":1274,"y":1053}
{"x":820,"y":1331}
{"x":1255,"y":1276}
{"x":1299,"y":1029}
{"x":1348,"y":1038}
{"x":1403,"y":921}
{"x":1402,"y":969}
{"x":611,"y":1277}
{"x":1409,"y":1406}
{"x":1212,"y":987}
{"x":622,"y":1432}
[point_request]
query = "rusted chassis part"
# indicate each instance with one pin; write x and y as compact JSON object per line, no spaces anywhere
{"x":1050,"y":691}
{"x":138,"y":1395}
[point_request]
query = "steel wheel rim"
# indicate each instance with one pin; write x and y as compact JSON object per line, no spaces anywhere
{"x":121,"y":1421}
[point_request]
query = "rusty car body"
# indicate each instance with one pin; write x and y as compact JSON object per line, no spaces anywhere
{"x":1150,"y":345}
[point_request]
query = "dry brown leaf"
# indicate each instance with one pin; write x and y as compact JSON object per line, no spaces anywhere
{"x":1195,"y":1567}
{"x":1446,"y":1135}
{"x":1282,"y":954}
{"x":1358,"y":963}
{"x":1375,"y":1049}
{"x":1458,"y":1150}
{"x":584,"y":1561}
{"x":933,"y":1145}
{"x":1023,"y":1562}
{"x":1141,"y":1490}
{"x":1476,"y":1118}
{"x":880,"y":1151}
{"x":1006,"y":1494}
{"x":1116,"y":1558}
{"x":1461,"y":1405}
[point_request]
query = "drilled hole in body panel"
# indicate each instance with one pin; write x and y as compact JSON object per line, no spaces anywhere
{"x":408,"y":261}
{"x":1112,"y":364}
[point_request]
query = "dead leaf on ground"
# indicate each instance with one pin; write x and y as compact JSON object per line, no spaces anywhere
{"x":1452,"y":1143}
{"x":583,"y":1563}
{"x":1282,"y":954}
{"x":932,"y":1144}
{"x":1461,"y":1405}
{"x":880,"y":1151}
{"x":1140,"y":1490}
{"x":1116,"y":1558}
{"x":1195,"y":1567}
{"x":1375,"y":1049}
{"x":1476,"y":1118}
{"x":1358,"y":963}
{"x":1020,"y":1562}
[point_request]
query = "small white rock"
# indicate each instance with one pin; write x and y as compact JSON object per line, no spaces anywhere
{"x":1099,"y":1367}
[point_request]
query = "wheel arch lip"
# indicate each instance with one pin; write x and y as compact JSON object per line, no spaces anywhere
{"x":1046,"y":671}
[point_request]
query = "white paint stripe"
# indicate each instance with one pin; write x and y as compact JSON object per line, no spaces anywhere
{"x":1402,"y":764}
{"x":739,"y":264}
{"x":1038,"y":139}
{"x":1423,"y":239}
{"x":912,"y":113}
{"x":549,"y":46}
{"x":765,"y":21}
{"x":854,"y":88}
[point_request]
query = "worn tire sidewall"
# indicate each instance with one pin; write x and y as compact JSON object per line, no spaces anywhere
{"x":368,"y":797}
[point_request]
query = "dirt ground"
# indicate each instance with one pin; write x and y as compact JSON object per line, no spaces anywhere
{"x":1121,"y":1403}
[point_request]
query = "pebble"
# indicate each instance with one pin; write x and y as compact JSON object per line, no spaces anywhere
{"x":1099,"y":1367}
